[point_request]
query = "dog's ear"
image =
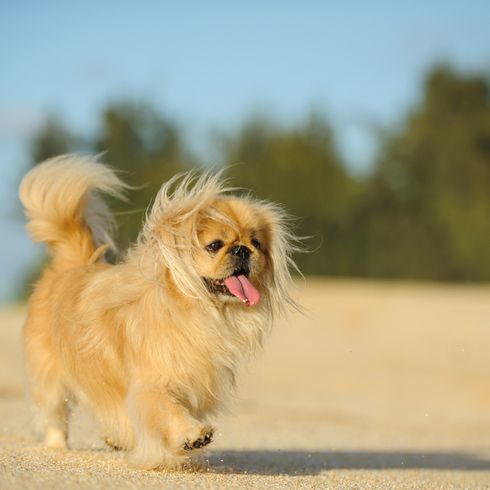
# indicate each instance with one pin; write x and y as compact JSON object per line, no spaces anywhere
{"x":171,"y":226}
{"x":282,"y":243}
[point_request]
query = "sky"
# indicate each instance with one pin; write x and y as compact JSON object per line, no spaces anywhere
{"x":211,"y":64}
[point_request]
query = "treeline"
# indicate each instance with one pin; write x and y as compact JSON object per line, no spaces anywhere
{"x":422,"y":212}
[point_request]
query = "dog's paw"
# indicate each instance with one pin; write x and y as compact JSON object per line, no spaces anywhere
{"x":112,"y":444}
{"x":55,"y":439}
{"x":203,"y":439}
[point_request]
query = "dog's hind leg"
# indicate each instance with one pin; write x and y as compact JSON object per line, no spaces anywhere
{"x":47,"y":389}
{"x":56,"y":420}
{"x":52,"y":404}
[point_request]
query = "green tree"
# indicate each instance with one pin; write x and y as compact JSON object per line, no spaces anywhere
{"x":301,"y":169}
{"x":148,"y":149}
{"x":52,"y":139}
{"x":423,"y":212}
{"x":427,"y":208}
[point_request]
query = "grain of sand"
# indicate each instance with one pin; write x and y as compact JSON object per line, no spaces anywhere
{"x":379,"y":385}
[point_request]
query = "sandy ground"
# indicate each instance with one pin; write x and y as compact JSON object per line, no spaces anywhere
{"x":380,"y":385}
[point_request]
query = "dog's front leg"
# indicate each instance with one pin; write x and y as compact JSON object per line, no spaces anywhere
{"x":164,"y":430}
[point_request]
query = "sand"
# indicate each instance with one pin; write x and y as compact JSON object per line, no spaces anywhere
{"x":379,"y":385}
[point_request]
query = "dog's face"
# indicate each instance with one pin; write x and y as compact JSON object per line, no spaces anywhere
{"x":216,"y":246}
{"x":233,"y":253}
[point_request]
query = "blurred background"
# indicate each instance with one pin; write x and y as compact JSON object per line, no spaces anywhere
{"x":370,"y":123}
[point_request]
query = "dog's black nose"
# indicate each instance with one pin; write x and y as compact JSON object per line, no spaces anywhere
{"x":241,"y":251}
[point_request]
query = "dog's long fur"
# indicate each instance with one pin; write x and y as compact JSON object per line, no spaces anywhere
{"x":144,"y":343}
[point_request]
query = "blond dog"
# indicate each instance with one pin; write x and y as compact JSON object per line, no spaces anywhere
{"x":152,"y":344}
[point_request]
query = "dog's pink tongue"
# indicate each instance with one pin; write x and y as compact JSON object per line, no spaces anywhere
{"x":242,"y":288}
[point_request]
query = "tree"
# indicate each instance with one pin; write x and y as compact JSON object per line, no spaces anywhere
{"x":429,"y":195}
{"x":423,"y":212}
{"x":148,"y":149}
{"x":301,"y":169}
{"x":52,"y":139}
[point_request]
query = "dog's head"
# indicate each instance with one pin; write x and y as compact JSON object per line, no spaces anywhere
{"x":219,"y":247}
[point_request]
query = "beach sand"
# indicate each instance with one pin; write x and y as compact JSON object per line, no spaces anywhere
{"x":378,"y":385}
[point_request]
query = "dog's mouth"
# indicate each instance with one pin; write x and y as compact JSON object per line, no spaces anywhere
{"x":237,"y":285}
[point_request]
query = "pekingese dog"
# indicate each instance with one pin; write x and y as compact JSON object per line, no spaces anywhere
{"x":152,"y":344}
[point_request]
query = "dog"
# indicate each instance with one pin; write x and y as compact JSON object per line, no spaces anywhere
{"x":151,"y":344}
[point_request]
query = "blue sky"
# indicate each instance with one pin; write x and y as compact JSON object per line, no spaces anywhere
{"x":210,"y":64}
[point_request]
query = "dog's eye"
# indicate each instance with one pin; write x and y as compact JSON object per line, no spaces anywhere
{"x":215,"y":246}
{"x":256,"y":243}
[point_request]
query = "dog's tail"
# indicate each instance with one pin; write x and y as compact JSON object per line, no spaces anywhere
{"x":62,"y":200}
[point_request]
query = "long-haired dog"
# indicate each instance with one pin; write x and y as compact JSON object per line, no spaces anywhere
{"x":152,"y":344}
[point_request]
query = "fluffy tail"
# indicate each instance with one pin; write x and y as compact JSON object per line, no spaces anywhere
{"x":61,"y":197}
